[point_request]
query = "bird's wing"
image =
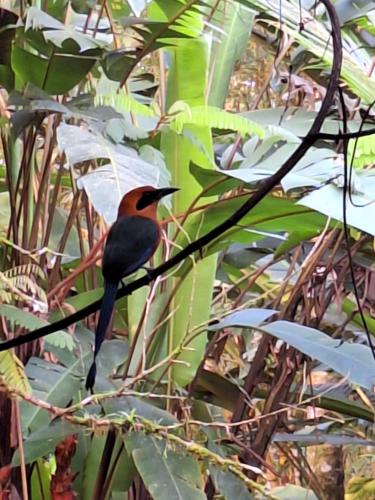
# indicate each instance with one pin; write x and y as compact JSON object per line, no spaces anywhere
{"x":131,"y":242}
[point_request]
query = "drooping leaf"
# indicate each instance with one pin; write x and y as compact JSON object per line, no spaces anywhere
{"x":223,"y":393}
{"x":108,"y":94}
{"x":271,"y":214}
{"x":316,"y":438}
{"x":353,"y":361}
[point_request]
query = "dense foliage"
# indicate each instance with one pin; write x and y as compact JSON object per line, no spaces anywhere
{"x":245,"y":371}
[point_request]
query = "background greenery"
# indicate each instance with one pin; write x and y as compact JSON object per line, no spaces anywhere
{"x":245,"y":372}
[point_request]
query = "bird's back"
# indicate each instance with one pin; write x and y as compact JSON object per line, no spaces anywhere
{"x":131,"y":242}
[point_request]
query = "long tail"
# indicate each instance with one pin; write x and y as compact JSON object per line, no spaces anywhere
{"x":108,"y":303}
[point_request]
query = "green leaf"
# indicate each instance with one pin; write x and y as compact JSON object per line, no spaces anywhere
{"x":107,"y":93}
{"x":56,"y":75}
{"x":124,"y":474}
{"x":43,"y":441}
{"x":271,"y":214}
{"x":167,"y":474}
{"x":229,"y":485}
{"x":235,"y":22}
{"x":91,"y":465}
{"x":364,"y":151}
{"x":12,"y":373}
{"x":191,"y":303}
{"x":41,"y":479}
{"x":53,"y":383}
{"x":298,"y":121}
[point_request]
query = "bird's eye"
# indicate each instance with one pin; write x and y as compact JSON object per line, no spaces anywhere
{"x":146,"y":199}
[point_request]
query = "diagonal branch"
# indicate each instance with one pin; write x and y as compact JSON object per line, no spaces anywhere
{"x":265,"y":187}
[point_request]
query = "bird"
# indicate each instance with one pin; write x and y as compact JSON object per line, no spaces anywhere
{"x":131,"y":241}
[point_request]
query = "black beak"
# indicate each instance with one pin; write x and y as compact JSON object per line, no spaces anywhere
{"x":160,"y":193}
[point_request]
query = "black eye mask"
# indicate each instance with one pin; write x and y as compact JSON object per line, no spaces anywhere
{"x":147,"y":198}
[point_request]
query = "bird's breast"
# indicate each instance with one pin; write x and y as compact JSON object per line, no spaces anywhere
{"x":131,"y":242}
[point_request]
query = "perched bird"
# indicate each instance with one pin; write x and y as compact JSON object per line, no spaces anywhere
{"x":131,"y":242}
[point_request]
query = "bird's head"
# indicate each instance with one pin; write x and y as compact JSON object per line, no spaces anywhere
{"x":143,"y":201}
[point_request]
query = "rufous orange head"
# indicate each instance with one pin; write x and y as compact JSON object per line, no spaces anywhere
{"x":143,"y":201}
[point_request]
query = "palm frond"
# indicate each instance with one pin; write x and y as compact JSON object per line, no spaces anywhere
{"x":210,"y":116}
{"x":12,"y":373}
{"x":21,"y":281}
{"x":107,"y":94}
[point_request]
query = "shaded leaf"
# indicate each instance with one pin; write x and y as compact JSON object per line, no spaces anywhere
{"x":168,"y":475}
{"x":229,"y":485}
{"x":53,"y":383}
{"x":45,"y":439}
